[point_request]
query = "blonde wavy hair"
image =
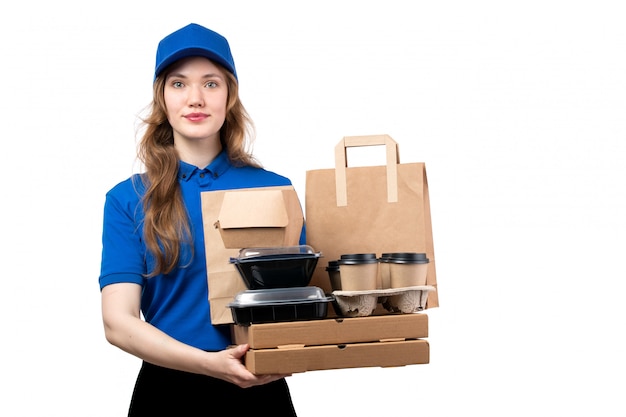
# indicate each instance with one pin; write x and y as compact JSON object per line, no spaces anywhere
{"x":166,"y":223}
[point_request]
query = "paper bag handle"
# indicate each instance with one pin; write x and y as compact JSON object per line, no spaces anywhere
{"x":341,"y":164}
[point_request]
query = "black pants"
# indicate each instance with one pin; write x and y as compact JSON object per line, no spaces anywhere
{"x":165,"y":392}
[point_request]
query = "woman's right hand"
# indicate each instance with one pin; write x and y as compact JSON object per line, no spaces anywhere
{"x":229,"y":362}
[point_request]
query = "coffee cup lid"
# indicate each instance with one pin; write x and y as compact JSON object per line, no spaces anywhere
{"x":408,"y":257}
{"x":358,"y":258}
{"x":332,"y":266}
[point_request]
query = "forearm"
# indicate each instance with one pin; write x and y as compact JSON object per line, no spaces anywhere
{"x":125,"y":329}
{"x":145,"y":341}
{"x":148,"y":343}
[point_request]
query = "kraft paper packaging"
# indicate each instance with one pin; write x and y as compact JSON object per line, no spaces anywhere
{"x":229,"y":226}
{"x":369,"y":209}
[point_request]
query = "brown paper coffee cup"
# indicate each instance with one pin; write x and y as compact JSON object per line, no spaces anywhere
{"x":407,"y":269}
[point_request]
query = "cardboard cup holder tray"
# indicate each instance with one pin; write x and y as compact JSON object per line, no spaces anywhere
{"x":394,"y":300}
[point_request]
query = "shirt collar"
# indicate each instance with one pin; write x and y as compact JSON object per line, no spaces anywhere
{"x":217,"y":167}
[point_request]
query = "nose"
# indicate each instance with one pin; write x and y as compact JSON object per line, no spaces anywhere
{"x":195,"y":98}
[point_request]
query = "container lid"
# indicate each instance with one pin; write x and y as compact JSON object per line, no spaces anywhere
{"x":275,"y":253}
{"x":278,"y":296}
{"x":408,"y":257}
{"x":358,"y":258}
{"x":384,"y":257}
{"x":333,"y":266}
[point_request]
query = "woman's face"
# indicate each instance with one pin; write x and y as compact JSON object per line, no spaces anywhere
{"x":195,"y":96}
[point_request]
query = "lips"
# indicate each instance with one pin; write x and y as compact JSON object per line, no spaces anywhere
{"x":196,"y":117}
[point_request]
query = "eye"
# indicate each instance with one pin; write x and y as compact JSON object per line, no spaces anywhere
{"x":177,"y":84}
{"x":211,"y":84}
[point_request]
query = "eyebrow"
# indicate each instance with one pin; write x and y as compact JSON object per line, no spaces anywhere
{"x":208,"y":75}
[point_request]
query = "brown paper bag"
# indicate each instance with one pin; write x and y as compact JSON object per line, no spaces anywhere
{"x":371,"y":209}
{"x":230,"y":225}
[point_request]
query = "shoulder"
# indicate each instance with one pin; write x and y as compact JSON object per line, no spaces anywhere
{"x":249,"y":176}
{"x":128,"y":191}
{"x":270,"y":175}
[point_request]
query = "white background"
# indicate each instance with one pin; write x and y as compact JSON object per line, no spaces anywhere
{"x":517,"y":108}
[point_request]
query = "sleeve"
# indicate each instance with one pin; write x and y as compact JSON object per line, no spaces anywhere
{"x":123,"y":251}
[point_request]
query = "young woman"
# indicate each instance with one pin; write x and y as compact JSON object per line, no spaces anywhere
{"x":153,"y":276}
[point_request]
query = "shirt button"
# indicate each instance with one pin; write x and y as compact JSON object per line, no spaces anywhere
{"x":202,"y":175}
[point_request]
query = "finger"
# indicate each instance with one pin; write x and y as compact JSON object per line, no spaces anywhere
{"x":239,"y":351}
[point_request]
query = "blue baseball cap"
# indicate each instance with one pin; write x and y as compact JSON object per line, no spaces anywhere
{"x":194,"y":40}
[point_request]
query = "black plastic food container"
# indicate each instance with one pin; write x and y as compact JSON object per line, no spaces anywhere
{"x":276,"y":267}
{"x":279,"y":304}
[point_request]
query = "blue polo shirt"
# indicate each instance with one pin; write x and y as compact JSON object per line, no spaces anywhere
{"x":176,"y":303}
